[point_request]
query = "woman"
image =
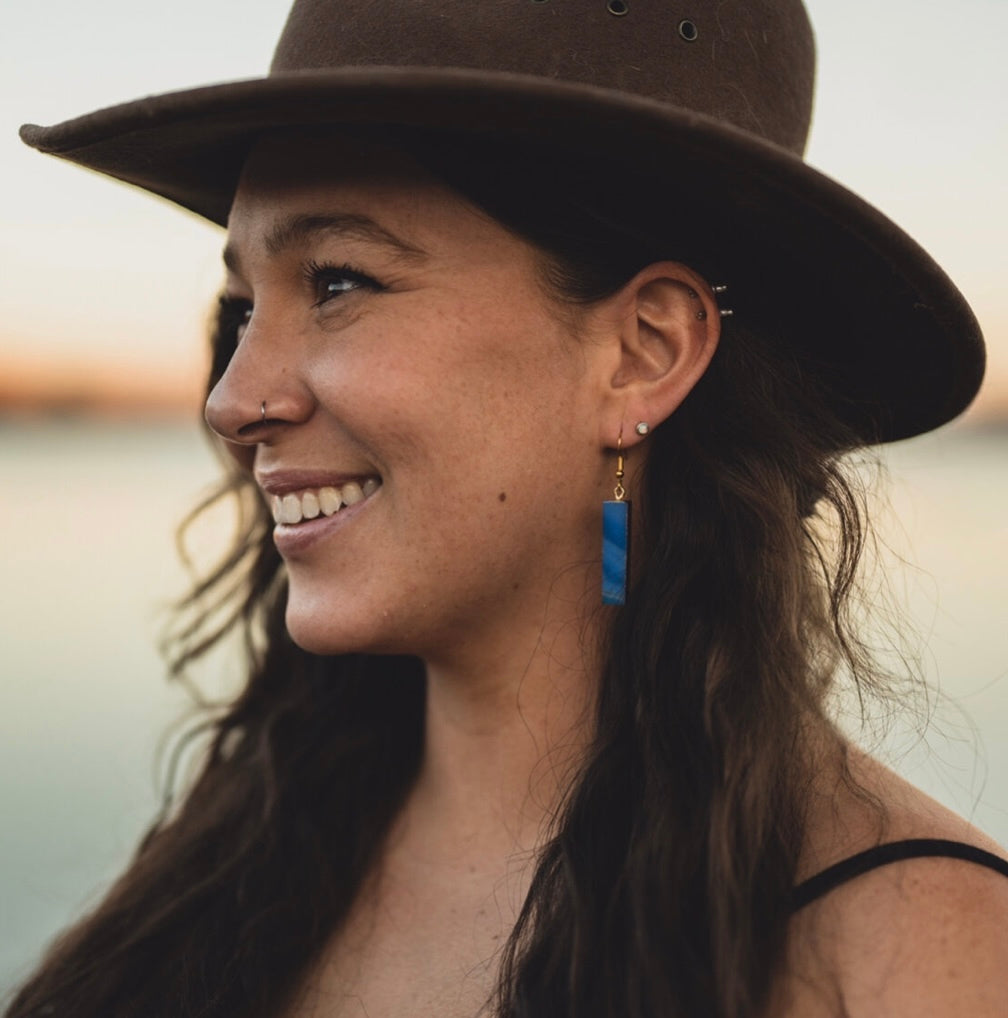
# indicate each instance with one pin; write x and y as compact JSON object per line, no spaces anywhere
{"x":463,"y":308}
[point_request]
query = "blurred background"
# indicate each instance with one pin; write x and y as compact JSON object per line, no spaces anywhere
{"x":104,"y":294}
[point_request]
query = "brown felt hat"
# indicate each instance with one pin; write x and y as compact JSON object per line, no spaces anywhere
{"x":701,"y":107}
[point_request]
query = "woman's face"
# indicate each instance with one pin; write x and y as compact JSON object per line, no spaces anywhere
{"x":406,"y":352}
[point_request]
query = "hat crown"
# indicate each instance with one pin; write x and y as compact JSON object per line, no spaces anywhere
{"x":749,"y":63}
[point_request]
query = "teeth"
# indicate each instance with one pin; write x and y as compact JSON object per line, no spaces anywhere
{"x":310,"y":505}
{"x":329,"y":500}
{"x":291,"y":509}
{"x":351,"y":493}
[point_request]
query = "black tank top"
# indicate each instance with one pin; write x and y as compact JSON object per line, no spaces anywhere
{"x":881,"y":855}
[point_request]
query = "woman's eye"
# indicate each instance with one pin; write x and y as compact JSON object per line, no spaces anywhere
{"x":328,"y":282}
{"x":243,"y":317}
{"x":233,"y":314}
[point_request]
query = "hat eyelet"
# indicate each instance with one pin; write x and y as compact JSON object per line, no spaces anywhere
{"x":688,"y":30}
{"x":618,"y":8}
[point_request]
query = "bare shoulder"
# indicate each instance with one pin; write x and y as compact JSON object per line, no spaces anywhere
{"x":922,"y":936}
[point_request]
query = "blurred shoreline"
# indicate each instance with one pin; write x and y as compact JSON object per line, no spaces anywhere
{"x":64,"y":388}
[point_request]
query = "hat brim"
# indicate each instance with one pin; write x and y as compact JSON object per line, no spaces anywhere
{"x":879,"y":324}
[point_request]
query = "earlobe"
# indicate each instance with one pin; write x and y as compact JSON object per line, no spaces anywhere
{"x":670,"y":324}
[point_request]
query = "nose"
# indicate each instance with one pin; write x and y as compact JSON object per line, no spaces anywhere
{"x":260,"y":391}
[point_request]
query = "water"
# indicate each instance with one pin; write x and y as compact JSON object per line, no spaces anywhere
{"x":86,"y":523}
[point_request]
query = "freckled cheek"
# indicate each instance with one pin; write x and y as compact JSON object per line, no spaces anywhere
{"x":455,"y":387}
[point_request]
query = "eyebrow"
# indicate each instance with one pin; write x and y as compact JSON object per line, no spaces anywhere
{"x":303,"y":227}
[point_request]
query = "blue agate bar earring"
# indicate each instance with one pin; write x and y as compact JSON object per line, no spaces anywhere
{"x":616,"y":537}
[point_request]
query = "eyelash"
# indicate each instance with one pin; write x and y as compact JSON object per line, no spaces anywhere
{"x":233,"y":313}
{"x":320,"y":276}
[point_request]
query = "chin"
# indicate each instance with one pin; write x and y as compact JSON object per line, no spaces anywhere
{"x":318,"y":629}
{"x":320,"y":636}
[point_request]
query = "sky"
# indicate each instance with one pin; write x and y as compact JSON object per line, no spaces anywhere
{"x":910,"y":114}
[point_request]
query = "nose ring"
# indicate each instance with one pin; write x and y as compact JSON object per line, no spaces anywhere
{"x":262,"y":410}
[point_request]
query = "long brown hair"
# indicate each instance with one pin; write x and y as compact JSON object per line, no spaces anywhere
{"x":666,"y":887}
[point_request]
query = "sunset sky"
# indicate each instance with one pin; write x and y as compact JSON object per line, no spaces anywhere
{"x":910,"y":113}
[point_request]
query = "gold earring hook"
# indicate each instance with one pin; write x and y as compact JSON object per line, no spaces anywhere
{"x":619,"y":491}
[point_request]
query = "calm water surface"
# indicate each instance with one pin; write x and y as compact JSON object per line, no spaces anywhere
{"x":86,"y":523}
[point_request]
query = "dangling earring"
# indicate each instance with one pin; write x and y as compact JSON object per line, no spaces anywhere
{"x":616,"y":537}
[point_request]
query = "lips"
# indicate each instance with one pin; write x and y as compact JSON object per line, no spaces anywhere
{"x":294,"y":507}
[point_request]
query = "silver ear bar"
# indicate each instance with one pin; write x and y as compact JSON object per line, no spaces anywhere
{"x":718,"y":290}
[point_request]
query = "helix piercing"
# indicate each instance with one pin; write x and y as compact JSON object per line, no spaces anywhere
{"x":718,"y":290}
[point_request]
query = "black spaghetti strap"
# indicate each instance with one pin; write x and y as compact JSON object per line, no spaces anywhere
{"x":881,"y":855}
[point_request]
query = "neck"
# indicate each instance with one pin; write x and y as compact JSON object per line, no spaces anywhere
{"x":506,"y":730}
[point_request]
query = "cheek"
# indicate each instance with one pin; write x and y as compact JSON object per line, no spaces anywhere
{"x":459,"y":368}
{"x":522,"y":377}
{"x":468,"y":399}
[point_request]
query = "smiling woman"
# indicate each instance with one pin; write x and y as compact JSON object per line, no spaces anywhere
{"x":459,"y":316}
{"x":438,"y":348}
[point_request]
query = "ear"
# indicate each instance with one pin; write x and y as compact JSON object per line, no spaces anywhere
{"x":666,"y":323}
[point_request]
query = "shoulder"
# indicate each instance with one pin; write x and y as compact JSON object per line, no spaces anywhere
{"x":922,"y":937}
{"x":919,"y":937}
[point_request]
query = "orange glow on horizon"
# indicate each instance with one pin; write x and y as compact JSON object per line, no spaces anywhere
{"x":102,"y":384}
{"x":89,"y":384}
